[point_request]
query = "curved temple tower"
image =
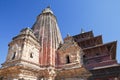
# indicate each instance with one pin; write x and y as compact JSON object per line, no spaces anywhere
{"x":49,"y":36}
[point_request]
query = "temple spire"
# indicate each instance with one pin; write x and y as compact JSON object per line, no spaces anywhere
{"x":47,"y":31}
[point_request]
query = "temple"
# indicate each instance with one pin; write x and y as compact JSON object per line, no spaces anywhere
{"x":99,"y":58}
{"x":40,"y":53}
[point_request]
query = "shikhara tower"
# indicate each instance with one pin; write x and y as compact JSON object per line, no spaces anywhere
{"x":38,"y":53}
{"x":47,"y":32}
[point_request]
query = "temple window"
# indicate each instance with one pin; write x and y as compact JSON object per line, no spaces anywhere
{"x":67,"y":59}
{"x":31,"y":55}
{"x":84,"y":56}
{"x":97,"y":54}
{"x":14,"y":54}
{"x":85,"y":61}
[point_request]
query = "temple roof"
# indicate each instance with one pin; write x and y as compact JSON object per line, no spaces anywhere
{"x":26,"y":31}
{"x":84,"y":35}
{"x":108,"y":66}
{"x":110,"y":43}
{"x":112,"y":49}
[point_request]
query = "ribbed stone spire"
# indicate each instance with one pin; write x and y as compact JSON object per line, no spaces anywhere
{"x":47,"y":31}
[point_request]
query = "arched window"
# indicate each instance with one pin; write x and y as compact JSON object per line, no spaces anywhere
{"x":67,"y":59}
{"x":84,"y":56}
{"x":31,"y":55}
{"x":14,"y":54}
{"x":85,"y":61}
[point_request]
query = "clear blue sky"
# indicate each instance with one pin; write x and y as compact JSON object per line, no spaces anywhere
{"x":101,"y":16}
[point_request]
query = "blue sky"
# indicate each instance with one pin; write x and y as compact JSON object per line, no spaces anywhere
{"x":101,"y":16}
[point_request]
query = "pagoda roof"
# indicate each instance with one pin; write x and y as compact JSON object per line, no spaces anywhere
{"x":99,"y":37}
{"x":102,"y":72}
{"x":108,"y":66}
{"x":113,"y":44}
{"x":109,"y":43}
{"x":85,"y":33}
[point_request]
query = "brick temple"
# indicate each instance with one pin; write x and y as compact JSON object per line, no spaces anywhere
{"x":40,"y":53}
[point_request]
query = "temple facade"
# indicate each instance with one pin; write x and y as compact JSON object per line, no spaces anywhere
{"x":40,"y":53}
